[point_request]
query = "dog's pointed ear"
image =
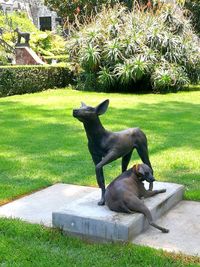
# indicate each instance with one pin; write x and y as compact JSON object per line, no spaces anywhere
{"x":83,"y":105}
{"x":139,"y":169}
{"x":101,"y":108}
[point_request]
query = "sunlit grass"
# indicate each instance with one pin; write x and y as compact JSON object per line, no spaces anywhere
{"x":42,"y":144}
{"x":24,"y":245}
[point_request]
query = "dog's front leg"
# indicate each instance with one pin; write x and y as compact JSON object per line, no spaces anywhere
{"x":101,"y":184}
{"x":151,"y":186}
{"x":100,"y":176}
{"x":148,"y":193}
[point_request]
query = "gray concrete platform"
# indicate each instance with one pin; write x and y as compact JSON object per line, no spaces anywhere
{"x":184,"y":236}
{"x":183,"y":220}
{"x":38,"y":207}
{"x":85,"y":218}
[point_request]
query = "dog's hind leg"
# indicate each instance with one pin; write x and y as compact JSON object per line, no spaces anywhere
{"x":136,"y":204}
{"x":147,"y":213}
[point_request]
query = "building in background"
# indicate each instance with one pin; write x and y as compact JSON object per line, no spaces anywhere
{"x":43,"y":18}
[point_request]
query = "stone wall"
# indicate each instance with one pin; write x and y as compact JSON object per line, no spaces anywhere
{"x":38,"y":9}
{"x":45,"y":12}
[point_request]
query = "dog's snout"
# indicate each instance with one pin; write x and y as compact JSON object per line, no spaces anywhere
{"x":151,"y":178}
{"x":75,"y":112}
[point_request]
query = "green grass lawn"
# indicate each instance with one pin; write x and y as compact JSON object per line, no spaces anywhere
{"x":25,"y":245}
{"x":42,"y":144}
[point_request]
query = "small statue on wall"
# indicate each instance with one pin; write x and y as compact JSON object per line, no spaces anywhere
{"x":20,"y":35}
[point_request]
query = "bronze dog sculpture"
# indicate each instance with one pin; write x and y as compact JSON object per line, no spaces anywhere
{"x":106,"y":146}
{"x":25,"y":35}
{"x":123,"y":194}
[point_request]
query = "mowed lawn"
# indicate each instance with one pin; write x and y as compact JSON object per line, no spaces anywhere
{"x":42,"y":144}
{"x":26,"y":245}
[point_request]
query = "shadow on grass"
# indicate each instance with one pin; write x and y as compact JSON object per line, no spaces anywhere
{"x":42,"y":145}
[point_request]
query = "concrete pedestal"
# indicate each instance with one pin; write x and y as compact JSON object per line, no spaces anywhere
{"x":26,"y":56}
{"x":75,"y":211}
{"x":83,"y":217}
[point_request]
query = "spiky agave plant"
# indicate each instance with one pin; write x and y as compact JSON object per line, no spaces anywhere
{"x":113,"y":51}
{"x":125,"y":72}
{"x":168,"y":77}
{"x":90,"y":57}
{"x":106,"y":77}
{"x":120,"y":47}
{"x":132,"y":70}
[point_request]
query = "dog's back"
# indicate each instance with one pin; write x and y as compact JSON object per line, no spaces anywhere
{"x":123,"y":194}
{"x":119,"y":189}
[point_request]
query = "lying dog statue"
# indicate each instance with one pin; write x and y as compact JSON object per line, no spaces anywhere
{"x":124,"y":193}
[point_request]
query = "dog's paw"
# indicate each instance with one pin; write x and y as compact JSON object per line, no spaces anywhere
{"x":164,"y":230}
{"x":101,"y":202}
{"x":162,"y":190}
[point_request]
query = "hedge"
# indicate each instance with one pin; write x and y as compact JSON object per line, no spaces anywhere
{"x":29,"y":79}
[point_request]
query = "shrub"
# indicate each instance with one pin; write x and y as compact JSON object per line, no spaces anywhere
{"x":47,"y":43}
{"x":4,"y":58}
{"x":124,"y":50}
{"x":167,"y":77}
{"x":16,"y":19}
{"x":29,"y":79}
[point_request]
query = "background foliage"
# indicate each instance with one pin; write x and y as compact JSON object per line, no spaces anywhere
{"x":68,"y":9}
{"x":194,"y":7}
{"x":124,"y":50}
{"x":44,"y":43}
{"x":29,"y":79}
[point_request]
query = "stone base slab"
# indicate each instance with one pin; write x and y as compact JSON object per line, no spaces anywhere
{"x":83,"y":217}
{"x":38,"y":207}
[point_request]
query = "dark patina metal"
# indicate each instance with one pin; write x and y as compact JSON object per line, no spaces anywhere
{"x":20,"y":35}
{"x":106,"y":146}
{"x":123,"y":194}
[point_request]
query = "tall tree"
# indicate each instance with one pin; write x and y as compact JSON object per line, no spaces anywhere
{"x":67,"y":9}
{"x":194,"y":7}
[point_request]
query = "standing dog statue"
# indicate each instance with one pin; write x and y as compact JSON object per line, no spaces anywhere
{"x":106,"y":146}
{"x":124,"y":193}
{"x":20,"y":35}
